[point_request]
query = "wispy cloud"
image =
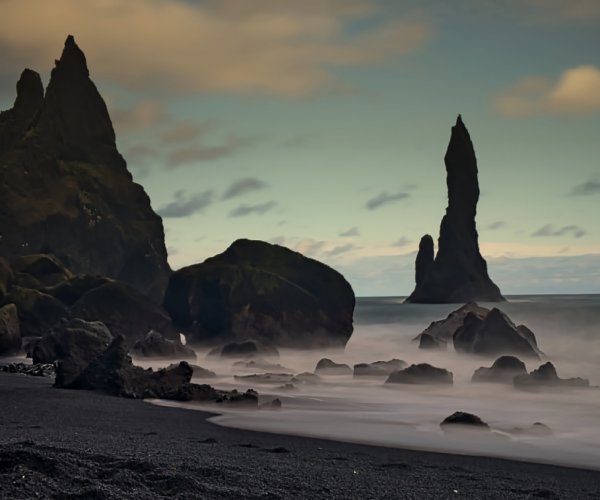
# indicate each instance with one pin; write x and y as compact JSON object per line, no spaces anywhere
{"x":494,"y":226}
{"x":259,"y":209}
{"x":339,"y":249}
{"x":139,"y":116}
{"x":185,"y":204}
{"x":402,"y":242}
{"x":243,"y":186}
{"x":576,"y":92}
{"x":550,"y":230}
{"x":194,"y":154}
{"x":353,"y":231}
{"x":385,"y":198}
{"x":588,"y":188}
{"x":185,"y":131}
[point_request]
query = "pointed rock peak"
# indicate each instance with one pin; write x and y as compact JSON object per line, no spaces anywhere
{"x":30,"y":91}
{"x":72,"y":58}
{"x":459,"y":121}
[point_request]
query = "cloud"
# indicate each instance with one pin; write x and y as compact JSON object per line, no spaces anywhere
{"x":494,"y":226}
{"x":260,"y":209}
{"x":141,"y":115}
{"x":277,"y":240}
{"x":243,"y":186}
{"x":185,"y":131}
{"x":402,"y":242}
{"x":353,"y":231}
{"x":562,"y":10}
{"x":340,"y":249}
{"x":184,"y":205}
{"x":309,"y":247}
{"x":385,"y":198}
{"x":194,"y":154}
{"x":588,"y":188}
{"x":139,"y":153}
{"x":550,"y":230}
{"x":271,"y":47}
{"x":577,"y":92}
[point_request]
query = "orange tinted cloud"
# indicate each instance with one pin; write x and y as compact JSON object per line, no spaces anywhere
{"x":276,"y":47}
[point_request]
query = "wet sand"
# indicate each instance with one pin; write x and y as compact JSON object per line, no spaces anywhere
{"x":76,"y":444}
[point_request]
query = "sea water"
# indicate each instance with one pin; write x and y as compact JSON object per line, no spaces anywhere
{"x":397,"y":415}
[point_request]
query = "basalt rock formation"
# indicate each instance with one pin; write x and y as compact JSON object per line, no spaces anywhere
{"x":65,"y":188}
{"x":255,"y":290}
{"x":459,"y":272}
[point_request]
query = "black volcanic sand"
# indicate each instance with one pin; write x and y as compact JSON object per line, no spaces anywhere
{"x":75,"y":444}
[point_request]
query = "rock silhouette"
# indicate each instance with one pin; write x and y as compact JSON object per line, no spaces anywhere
{"x":459,"y":272}
{"x":66,"y":189}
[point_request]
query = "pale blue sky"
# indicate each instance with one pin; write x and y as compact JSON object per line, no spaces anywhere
{"x":311,"y":112}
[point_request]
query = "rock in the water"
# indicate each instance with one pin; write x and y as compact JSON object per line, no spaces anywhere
{"x":503,"y":371}
{"x":546,"y":376}
{"x":287,"y":388}
{"x":247,"y":349}
{"x":10,"y":331}
{"x":255,"y":290}
{"x":200,"y":372}
{"x":306,"y":378}
{"x":72,"y":344}
{"x":425,"y":258}
{"x":464,"y":420}
{"x":260,"y":364}
{"x":444,"y":329}
{"x":125,"y":311}
{"x":265,"y":378}
{"x":538,"y":429}
{"x":46,"y":269}
{"x":459,"y":272}
{"x":495,"y":334}
{"x":271,"y":405}
{"x":427,"y":341}
{"x":326,"y":366}
{"x":155,"y":345}
{"x":422,"y":373}
{"x":66,"y":189}
{"x":378,"y":368}
{"x":38,"y":312}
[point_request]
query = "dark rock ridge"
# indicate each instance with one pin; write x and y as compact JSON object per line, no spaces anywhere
{"x":378,"y":368}
{"x":422,"y":373}
{"x":478,"y":330}
{"x":465,"y":420}
{"x":428,"y":341}
{"x":326,"y":366}
{"x":154,"y":345}
{"x":459,"y":272}
{"x":66,"y":189}
{"x":503,"y":371}
{"x":246,"y":349}
{"x":546,"y":376}
{"x":256,"y":290}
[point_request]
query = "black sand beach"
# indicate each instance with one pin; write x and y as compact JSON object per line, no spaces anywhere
{"x":77,"y":444}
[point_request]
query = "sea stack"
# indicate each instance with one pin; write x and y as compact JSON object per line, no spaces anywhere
{"x":65,"y":187}
{"x":459,"y":272}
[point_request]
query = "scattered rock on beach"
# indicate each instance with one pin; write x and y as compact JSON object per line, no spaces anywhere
{"x":504,"y":370}
{"x":260,"y":364}
{"x":306,"y":378}
{"x":443,"y":330}
{"x":10,"y":331}
{"x":35,"y":370}
{"x":378,"y":368}
{"x":463,"y":420}
{"x":256,"y":290}
{"x":155,"y":345}
{"x":538,"y":429}
{"x":246,"y":349}
{"x":265,"y":378}
{"x":545,"y":376}
{"x":421,"y":374}
{"x":37,"y":311}
{"x":326,"y":366}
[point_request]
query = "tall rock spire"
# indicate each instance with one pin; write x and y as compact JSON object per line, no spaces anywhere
{"x":459,"y":272}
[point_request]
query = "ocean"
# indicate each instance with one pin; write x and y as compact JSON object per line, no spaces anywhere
{"x":368,"y":411}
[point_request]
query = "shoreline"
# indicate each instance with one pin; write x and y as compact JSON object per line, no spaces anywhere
{"x":88,"y":445}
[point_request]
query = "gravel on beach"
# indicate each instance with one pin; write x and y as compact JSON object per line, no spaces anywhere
{"x":82,"y":445}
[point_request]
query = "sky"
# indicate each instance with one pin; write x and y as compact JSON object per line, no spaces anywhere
{"x":322,"y":125}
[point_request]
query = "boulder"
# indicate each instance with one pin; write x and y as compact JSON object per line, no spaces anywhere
{"x":378,"y":368}
{"x":422,"y":373}
{"x":200,"y":372}
{"x":537,"y":429}
{"x":66,"y":189}
{"x":275,"y":404}
{"x":39,"y":370}
{"x":444,"y":329}
{"x":72,"y":344}
{"x":306,"y":378}
{"x":260,"y":364}
{"x":546,"y":377}
{"x":255,"y":290}
{"x":154,"y":345}
{"x":503,"y":371}
{"x":462,"y":420}
{"x":38,"y":312}
{"x":125,"y":312}
{"x":325,"y":366}
{"x":493,"y":335}
{"x":247,"y":349}
{"x":45,"y":269}
{"x":6,"y":278}
{"x":459,"y":272}
{"x":10,"y":331}
{"x":287,"y":388}
{"x":71,"y":290}
{"x":428,"y":342}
